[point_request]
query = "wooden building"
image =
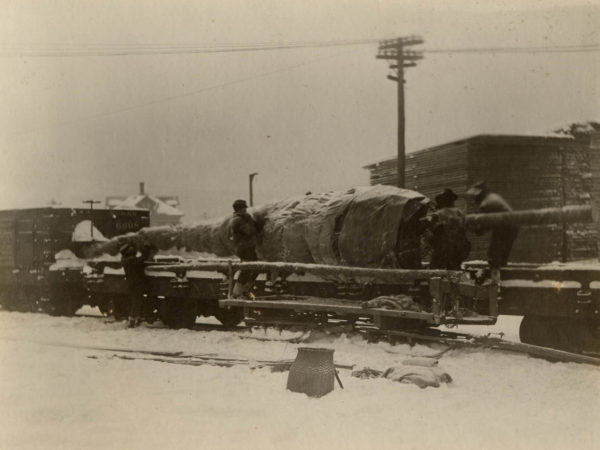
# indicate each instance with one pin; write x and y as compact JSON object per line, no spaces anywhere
{"x":528,"y":171}
{"x":163,"y":209}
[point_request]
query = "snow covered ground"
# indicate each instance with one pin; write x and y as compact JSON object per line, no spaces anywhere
{"x":58,"y":392}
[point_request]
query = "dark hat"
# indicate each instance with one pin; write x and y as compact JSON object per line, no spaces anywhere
{"x":127,"y":249}
{"x":446,"y":198}
{"x":239,"y":204}
{"x":477,"y":188}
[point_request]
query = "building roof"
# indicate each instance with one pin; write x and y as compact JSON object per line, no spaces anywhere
{"x":133,"y":202}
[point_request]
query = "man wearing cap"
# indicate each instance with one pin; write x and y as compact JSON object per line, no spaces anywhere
{"x":503,"y":236}
{"x":133,"y":265}
{"x":447,"y":235}
{"x":243,"y":231}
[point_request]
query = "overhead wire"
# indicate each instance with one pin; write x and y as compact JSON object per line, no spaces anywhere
{"x":175,"y":50}
{"x":207,"y":48}
{"x":189,"y":93}
{"x":546,"y":49}
{"x":233,"y":47}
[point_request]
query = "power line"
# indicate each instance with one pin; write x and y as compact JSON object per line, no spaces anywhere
{"x":546,"y":49}
{"x":207,"y":48}
{"x":178,"y":50}
{"x":186,"y":94}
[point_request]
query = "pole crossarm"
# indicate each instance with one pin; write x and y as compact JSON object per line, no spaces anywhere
{"x":401,"y":41}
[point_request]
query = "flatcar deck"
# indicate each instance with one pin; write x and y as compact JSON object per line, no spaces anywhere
{"x":345,"y":307}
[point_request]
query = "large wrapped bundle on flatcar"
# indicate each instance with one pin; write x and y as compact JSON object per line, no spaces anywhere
{"x":375,"y":226}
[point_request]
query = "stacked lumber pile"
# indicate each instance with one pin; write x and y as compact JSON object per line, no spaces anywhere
{"x":530,"y":172}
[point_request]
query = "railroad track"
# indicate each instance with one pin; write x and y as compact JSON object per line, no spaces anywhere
{"x":450,"y":339}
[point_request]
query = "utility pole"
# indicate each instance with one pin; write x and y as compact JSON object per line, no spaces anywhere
{"x":251,"y":179}
{"x":394,"y":50}
{"x":91,"y":203}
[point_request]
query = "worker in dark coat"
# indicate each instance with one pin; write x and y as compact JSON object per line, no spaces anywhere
{"x":503,"y":236}
{"x":243,"y":232}
{"x":448,"y":238}
{"x":134,"y":267}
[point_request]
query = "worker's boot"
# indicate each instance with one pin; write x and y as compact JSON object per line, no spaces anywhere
{"x":495,"y":275}
{"x":238,"y":290}
{"x":247,"y":290}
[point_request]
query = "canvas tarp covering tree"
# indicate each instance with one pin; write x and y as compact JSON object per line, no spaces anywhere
{"x":372,"y":226}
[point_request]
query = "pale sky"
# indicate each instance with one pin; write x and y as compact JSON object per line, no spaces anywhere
{"x":195,"y":125}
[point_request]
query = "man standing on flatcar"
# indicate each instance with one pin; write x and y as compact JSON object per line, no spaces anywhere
{"x":503,"y":236}
{"x":134,"y":267}
{"x":243,"y":231}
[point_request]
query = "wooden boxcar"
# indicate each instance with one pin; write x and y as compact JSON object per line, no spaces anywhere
{"x":30,"y":238}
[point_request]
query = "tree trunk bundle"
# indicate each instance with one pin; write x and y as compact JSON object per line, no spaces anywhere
{"x":374,"y":226}
{"x":566,"y":214}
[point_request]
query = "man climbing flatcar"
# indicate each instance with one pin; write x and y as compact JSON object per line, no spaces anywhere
{"x":447,"y":234}
{"x":503,"y":236}
{"x":133,"y":265}
{"x":243,"y":231}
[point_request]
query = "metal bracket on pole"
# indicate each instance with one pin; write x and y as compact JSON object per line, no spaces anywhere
{"x":251,"y":179}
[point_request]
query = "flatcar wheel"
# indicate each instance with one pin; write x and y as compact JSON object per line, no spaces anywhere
{"x":27,"y":300}
{"x":7,"y":305}
{"x":562,"y":333}
{"x":179,"y":312}
{"x":593,"y":335}
{"x":150,"y":309}
{"x":118,"y":307}
{"x":104,"y":308}
{"x":537,"y":330}
{"x":63,"y":306}
{"x":6,"y":299}
{"x":230,"y":317}
{"x":585,"y":336}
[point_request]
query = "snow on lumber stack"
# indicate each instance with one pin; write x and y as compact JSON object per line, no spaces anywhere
{"x":374,"y":226}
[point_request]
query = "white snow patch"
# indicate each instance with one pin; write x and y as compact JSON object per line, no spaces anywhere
{"x":61,"y":397}
{"x":186,"y":256}
{"x":105,"y":257}
{"x":205,"y":274}
{"x":112,"y":271}
{"x":66,"y":259}
{"x":578,"y":126}
{"x":587,"y":264}
{"x":83,"y":233}
{"x":159,"y":207}
{"x":558,"y":285}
